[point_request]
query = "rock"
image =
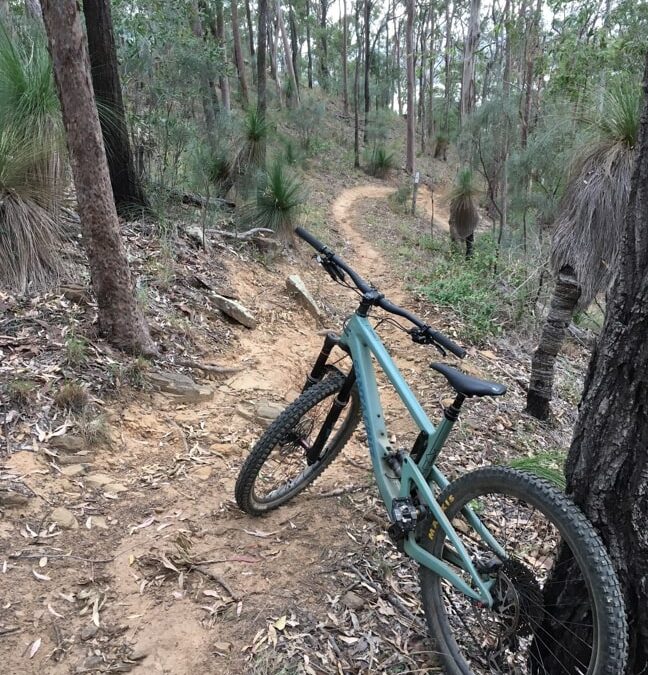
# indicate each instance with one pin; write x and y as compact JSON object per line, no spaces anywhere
{"x":266,"y":412}
{"x":11,"y":498}
{"x":296,"y":287}
{"x":67,"y":443}
{"x":73,"y":470}
{"x":235,"y":310}
{"x":195,"y":233}
{"x":97,"y":480}
{"x":64,"y":519}
{"x":66,"y":460}
{"x":88,"y":632}
{"x":202,"y":473}
{"x":98,"y":521}
{"x":138,"y":652}
{"x":116,"y":488}
{"x":353,"y":600}
{"x":180,"y":386}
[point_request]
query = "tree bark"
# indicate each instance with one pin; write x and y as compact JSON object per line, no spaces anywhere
{"x":120,"y":319}
{"x":345,"y":65}
{"x":607,"y":465}
{"x":446,"y":56}
{"x":262,"y":100}
{"x":294,"y":43}
{"x":323,"y":60}
{"x":468,"y":76}
{"x":293,"y":97}
{"x":238,"y":55}
{"x":223,"y":80}
{"x":308,"y":46}
{"x":356,"y":89}
{"x":367,"y":63}
{"x":411,"y":85}
{"x":563,"y":304}
{"x":206,"y":85}
{"x":126,"y":187}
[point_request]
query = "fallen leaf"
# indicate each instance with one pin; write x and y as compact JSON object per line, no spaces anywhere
{"x":280,"y":623}
{"x":53,"y":611}
{"x":34,"y":648}
{"x":41,"y":577}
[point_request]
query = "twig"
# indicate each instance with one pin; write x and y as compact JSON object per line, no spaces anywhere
{"x":217,"y":370}
{"x":218,"y":579}
{"x":349,"y":489}
{"x":248,"y":234}
{"x":44,"y":554}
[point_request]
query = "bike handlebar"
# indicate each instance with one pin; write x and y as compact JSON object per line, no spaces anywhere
{"x":331,"y":258}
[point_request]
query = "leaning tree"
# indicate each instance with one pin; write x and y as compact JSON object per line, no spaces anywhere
{"x":586,"y":238}
{"x":607,"y":465}
{"x":120,"y":318}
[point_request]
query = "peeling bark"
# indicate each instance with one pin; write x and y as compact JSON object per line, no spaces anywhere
{"x":563,"y":305}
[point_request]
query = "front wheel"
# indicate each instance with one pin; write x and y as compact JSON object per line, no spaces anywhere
{"x":277,"y":468}
{"x":557,"y":610}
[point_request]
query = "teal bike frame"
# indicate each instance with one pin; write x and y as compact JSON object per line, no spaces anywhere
{"x":360,"y":339}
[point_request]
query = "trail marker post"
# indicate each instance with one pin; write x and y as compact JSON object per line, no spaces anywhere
{"x":417,"y":178}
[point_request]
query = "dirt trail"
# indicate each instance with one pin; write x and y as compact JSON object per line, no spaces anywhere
{"x":178,"y":463}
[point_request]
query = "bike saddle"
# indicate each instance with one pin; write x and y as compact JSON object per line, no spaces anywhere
{"x":467,"y":385}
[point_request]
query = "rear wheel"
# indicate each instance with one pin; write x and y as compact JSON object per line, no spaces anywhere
{"x":277,"y":468}
{"x":558,"y":608}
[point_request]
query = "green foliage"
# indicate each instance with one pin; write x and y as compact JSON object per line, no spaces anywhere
{"x":307,"y":120}
{"x":278,"y":201}
{"x":72,"y":396}
{"x":30,"y":181}
{"x":255,"y":133}
{"x":620,"y":114}
{"x":486,"y":303}
{"x":380,"y":161}
{"x":76,"y":350}
{"x":21,"y":392}
{"x":547,"y":465}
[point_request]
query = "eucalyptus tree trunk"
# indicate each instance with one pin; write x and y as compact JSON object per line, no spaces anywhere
{"x":563,"y":304}
{"x":223,"y":80}
{"x":206,"y":85}
{"x":238,"y":55}
{"x":294,"y":42}
{"x":356,"y":89}
{"x":449,"y":18}
{"x":126,"y":187}
{"x":345,"y":65}
{"x":323,"y":60}
{"x":607,"y":464}
{"x":367,"y":63}
{"x":308,"y":46}
{"x":411,"y":86}
{"x":120,"y":319}
{"x":273,"y":41}
{"x":262,"y":97}
{"x":293,"y":97}
{"x":468,"y":75}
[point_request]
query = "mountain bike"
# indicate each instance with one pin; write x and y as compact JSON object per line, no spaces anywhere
{"x":513,"y":577}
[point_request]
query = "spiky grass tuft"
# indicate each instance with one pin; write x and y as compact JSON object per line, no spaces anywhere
{"x":30,"y":168}
{"x":463,"y":211}
{"x":587,"y":233}
{"x":381,"y":162}
{"x":278,"y":201}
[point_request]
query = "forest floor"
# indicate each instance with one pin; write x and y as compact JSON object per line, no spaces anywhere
{"x":149,"y":565}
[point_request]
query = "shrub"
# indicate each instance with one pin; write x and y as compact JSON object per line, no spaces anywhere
{"x":278,"y":201}
{"x":307,"y":119}
{"x":72,"y":396}
{"x":381,"y":162}
{"x":30,"y":169}
{"x":485,"y":302}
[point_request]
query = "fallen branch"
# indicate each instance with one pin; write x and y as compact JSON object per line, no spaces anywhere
{"x":206,"y":368}
{"x":199,"y":201}
{"x":218,"y":579}
{"x":249,"y":234}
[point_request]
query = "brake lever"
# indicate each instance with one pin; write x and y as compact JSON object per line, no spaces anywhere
{"x":421,"y":337}
{"x":331,"y":268}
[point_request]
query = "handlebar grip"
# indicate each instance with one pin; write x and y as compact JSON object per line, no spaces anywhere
{"x":309,"y":238}
{"x":448,"y":344}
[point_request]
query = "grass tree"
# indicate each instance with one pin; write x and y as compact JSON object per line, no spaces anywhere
{"x":586,"y":238}
{"x":31,"y":184}
{"x":278,"y":202}
{"x":463,"y":210}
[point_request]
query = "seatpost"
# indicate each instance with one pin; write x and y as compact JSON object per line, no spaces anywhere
{"x":451,"y":413}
